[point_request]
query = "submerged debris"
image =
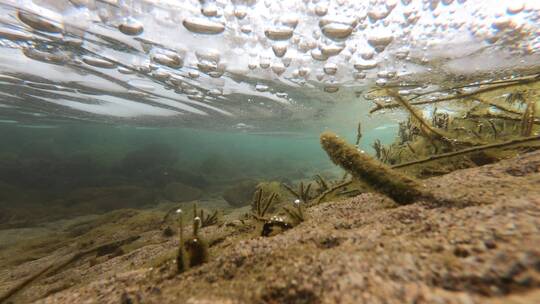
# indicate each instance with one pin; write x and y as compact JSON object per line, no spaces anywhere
{"x":401,"y":188}
{"x":274,"y":222}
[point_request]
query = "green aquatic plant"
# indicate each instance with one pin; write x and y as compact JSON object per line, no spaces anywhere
{"x":358,"y":133}
{"x":206,"y":219}
{"x":469,"y":150}
{"x":427,"y":129}
{"x":302,"y":194}
{"x":401,"y":188}
{"x":296,"y":213}
{"x":528,"y":118}
{"x":456,"y":93}
{"x":260,"y":207}
{"x":322,"y":184}
{"x":322,"y":196}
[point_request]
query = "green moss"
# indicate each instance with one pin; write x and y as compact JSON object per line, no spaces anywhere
{"x":401,"y":188}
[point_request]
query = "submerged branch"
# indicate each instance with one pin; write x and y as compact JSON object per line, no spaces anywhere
{"x":426,"y":127}
{"x":458,"y":95}
{"x":52,"y":268}
{"x":468,"y":150}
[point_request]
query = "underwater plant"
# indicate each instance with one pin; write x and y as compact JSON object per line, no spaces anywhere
{"x":296,"y":214}
{"x":401,"y":188}
{"x":303,"y":192}
{"x":358,"y":133}
{"x":321,"y":183}
{"x":260,"y":207}
{"x":206,"y":219}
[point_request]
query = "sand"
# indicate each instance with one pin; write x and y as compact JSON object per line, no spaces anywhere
{"x":478,"y":245}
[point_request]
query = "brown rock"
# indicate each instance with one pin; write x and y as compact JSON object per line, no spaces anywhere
{"x":179,"y":192}
{"x":240,"y":194}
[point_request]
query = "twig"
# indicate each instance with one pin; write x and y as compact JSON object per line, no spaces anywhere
{"x":302,"y":193}
{"x":457,"y":96}
{"x":494,"y":128}
{"x":432,"y":132}
{"x":54,"y":268}
{"x":528,"y":118}
{"x":321,"y":182}
{"x":512,"y":81}
{"x":468,"y":150}
{"x":358,"y":133}
{"x":325,"y":193}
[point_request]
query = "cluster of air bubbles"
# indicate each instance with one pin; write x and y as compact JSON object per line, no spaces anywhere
{"x":198,"y":52}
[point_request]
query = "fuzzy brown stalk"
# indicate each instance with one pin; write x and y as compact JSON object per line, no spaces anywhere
{"x":381,"y":178}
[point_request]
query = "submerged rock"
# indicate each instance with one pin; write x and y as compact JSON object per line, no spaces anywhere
{"x":240,"y":194}
{"x":109,"y":198}
{"x":179,"y":192}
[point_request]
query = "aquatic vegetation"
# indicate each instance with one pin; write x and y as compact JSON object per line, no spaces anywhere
{"x":206,"y":219}
{"x":528,"y":118}
{"x":259,"y":206}
{"x":358,"y":133}
{"x":469,"y":150}
{"x":321,"y":183}
{"x":303,"y":193}
{"x":344,"y":183}
{"x":401,"y":188}
{"x":296,"y":213}
{"x":475,"y":119}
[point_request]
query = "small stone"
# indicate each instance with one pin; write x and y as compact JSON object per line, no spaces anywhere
{"x":461,"y":252}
